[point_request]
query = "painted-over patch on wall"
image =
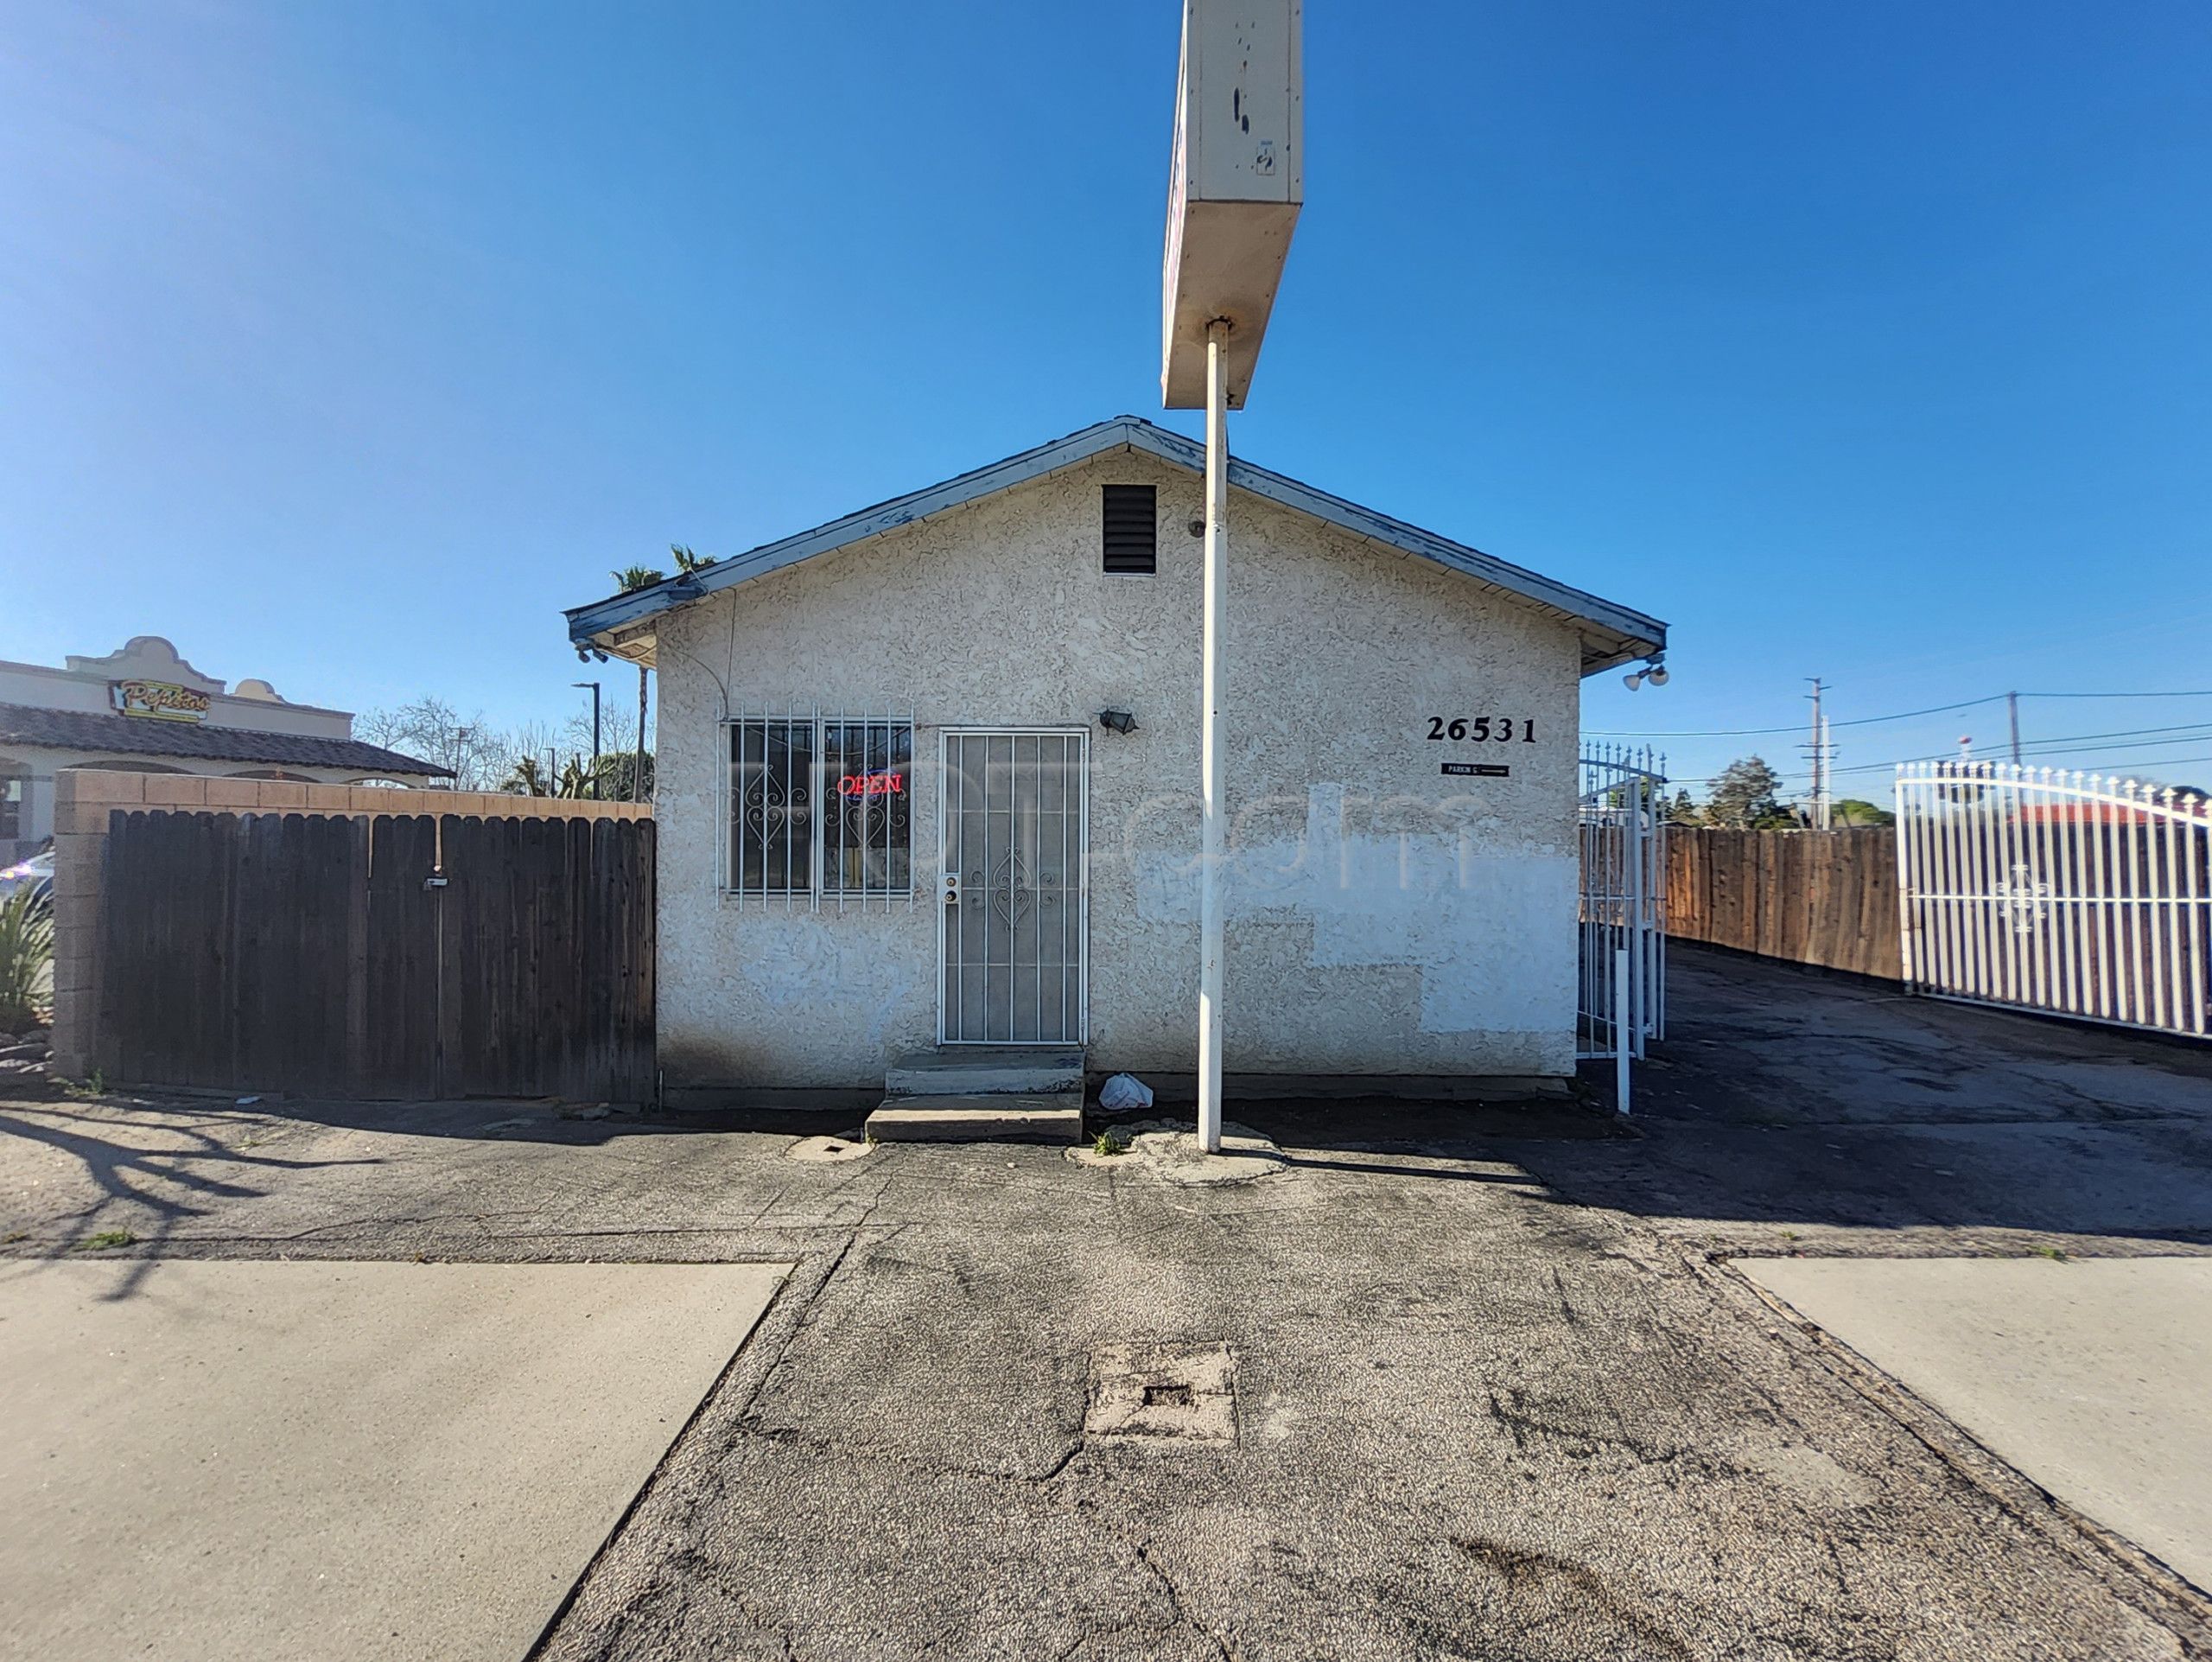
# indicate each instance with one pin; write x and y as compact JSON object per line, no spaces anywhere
{"x":1439,"y":903}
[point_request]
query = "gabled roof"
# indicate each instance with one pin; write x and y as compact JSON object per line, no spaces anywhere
{"x":34,"y":726}
{"x":623,"y":625}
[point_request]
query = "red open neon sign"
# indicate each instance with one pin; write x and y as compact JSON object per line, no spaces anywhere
{"x":871,"y":784}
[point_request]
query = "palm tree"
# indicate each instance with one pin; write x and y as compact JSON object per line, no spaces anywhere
{"x":626,"y":580}
{"x":629,"y":578}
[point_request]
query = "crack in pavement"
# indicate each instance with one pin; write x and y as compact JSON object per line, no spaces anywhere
{"x":1183,"y":1615}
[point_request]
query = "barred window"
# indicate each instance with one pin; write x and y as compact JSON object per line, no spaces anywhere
{"x":868,"y":829}
{"x":858,"y":841}
{"x":771,"y":822}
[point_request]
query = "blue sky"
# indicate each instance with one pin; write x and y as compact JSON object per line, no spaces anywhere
{"x":346,"y":344}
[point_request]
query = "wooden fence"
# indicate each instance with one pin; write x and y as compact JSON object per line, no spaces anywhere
{"x":393,"y":955}
{"x":1829,"y":899}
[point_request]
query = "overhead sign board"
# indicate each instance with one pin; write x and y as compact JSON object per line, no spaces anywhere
{"x":1236,"y":182}
{"x":163,"y":701}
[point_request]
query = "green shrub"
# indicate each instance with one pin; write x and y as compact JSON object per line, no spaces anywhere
{"x":25,"y":956}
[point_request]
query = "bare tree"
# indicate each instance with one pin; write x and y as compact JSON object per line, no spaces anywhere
{"x":477,"y":754}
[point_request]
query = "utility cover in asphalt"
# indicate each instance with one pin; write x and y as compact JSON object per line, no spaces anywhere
{"x":1159,"y":1391}
{"x":332,"y":1460}
{"x":2087,"y":1375}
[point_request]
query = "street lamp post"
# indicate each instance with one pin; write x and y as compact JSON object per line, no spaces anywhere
{"x":594,"y":686}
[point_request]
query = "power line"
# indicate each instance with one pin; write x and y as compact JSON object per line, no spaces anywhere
{"x":2122,"y":732}
{"x":1807,"y":775}
{"x":1870,"y":721}
{"x":1885,"y":767}
{"x":2117,"y":695}
{"x":1761,"y":732}
{"x":2197,"y":737}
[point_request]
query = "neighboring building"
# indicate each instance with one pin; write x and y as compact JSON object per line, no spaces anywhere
{"x":145,"y":710}
{"x":930,"y":774}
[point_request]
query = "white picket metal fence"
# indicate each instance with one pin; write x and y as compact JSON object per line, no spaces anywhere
{"x":2057,"y":891}
{"x":1622,"y":992}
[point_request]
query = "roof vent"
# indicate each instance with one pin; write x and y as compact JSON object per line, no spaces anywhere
{"x":1130,"y":515}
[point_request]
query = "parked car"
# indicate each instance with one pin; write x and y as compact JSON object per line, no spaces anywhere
{"x":37,"y":872}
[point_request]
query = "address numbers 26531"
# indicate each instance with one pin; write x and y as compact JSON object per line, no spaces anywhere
{"x":1495,"y":729}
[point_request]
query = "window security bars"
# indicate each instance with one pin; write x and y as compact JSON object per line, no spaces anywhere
{"x":817,"y":807}
{"x":868,"y":832}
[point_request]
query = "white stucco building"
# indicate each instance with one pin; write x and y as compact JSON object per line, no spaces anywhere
{"x":142,"y":707}
{"x":929,"y":776}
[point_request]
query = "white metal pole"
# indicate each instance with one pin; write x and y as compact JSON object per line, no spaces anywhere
{"x":1217,"y":557}
{"x":1632,"y":800}
{"x":1620,"y":1033}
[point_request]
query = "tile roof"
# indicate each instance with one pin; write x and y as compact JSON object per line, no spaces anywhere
{"x":131,"y":735}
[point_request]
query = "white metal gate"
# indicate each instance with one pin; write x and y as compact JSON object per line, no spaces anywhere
{"x":1014,"y":913}
{"x":1623,"y":909}
{"x":2056,"y":891}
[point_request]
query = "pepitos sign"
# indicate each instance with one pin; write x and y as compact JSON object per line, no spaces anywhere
{"x":164,"y":701}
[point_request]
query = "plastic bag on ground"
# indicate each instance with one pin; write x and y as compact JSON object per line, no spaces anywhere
{"x":1125,"y":1091}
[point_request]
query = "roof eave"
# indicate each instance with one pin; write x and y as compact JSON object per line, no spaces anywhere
{"x":622,"y":626}
{"x":603,"y":624}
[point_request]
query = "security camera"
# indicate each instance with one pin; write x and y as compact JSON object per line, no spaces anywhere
{"x":1196,"y":527}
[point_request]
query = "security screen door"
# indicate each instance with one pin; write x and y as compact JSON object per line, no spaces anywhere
{"x":1011,"y":896}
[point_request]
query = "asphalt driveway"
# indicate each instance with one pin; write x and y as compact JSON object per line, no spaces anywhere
{"x":1485,"y":1393}
{"x":1793,"y":1110}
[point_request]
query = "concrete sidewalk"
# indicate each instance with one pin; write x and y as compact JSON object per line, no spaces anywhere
{"x":2090,"y":1376}
{"x":355,"y":1461}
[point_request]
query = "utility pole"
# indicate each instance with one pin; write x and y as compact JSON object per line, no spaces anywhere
{"x":1827,"y":776}
{"x":2013,"y":711}
{"x":1819,"y":749}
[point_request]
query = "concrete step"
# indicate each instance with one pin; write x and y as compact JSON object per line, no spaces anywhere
{"x":998,"y":1118}
{"x":981,"y":1071}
